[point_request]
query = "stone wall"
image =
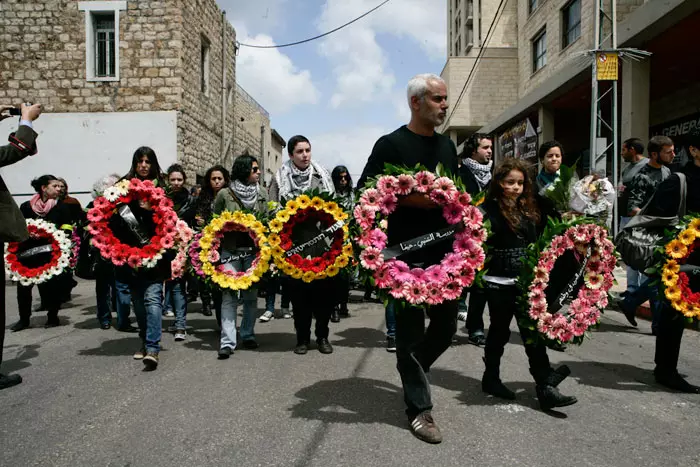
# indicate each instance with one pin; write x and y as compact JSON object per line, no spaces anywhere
{"x":206,"y":123}
{"x":253,"y":132}
{"x":42,"y":57}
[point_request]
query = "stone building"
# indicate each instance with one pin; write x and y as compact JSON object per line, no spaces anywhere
{"x":255,"y":136}
{"x":115,"y":75}
{"x":548,"y":77}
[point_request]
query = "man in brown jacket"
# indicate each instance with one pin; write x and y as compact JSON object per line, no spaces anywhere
{"x":13,"y":227}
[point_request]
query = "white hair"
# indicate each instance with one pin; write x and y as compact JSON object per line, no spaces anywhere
{"x":103,"y":183}
{"x":418,"y":85}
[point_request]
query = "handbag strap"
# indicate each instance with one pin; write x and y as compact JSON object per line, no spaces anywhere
{"x":684,"y":195}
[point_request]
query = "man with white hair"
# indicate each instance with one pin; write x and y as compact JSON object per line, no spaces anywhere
{"x":416,"y":215}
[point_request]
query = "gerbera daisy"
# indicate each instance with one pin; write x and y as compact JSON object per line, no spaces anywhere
{"x":453,"y":213}
{"x":444,"y":184}
{"x":424,"y":181}
{"x":415,"y":293}
{"x":317,"y":203}
{"x":371,"y":258}
{"x":387,"y":204}
{"x":435,"y":274}
{"x":406,"y":184}
{"x":388,"y":184}
{"x":676,"y":249}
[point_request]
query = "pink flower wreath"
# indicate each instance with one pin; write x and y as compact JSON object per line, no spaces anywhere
{"x":569,"y":326}
{"x":437,"y":283}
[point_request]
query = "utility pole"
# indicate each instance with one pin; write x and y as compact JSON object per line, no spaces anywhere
{"x":604,"y":103}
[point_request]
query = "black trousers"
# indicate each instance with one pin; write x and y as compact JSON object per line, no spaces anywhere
{"x":312,"y":300}
{"x":502,"y":307}
{"x":51,"y":293}
{"x":2,"y":312}
{"x":417,"y":349}
{"x":475,"y":312}
{"x":668,"y":339}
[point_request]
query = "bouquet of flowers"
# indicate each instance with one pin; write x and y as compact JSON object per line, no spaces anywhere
{"x":24,"y":261}
{"x":115,"y":250}
{"x":333,"y":237}
{"x":436,"y":283}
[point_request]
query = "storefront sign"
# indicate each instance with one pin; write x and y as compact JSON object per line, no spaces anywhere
{"x":607,"y":66}
{"x":678,"y":130}
{"x":520,"y":141}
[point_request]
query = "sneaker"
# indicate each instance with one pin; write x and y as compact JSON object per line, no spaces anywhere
{"x":225,"y":352}
{"x":267,"y":316}
{"x":140,"y":354}
{"x":462,"y":316}
{"x":286,"y":314}
{"x":150,"y":361}
{"x":169,"y":314}
{"x":424,"y":428}
{"x":180,"y":334}
{"x":390,"y":344}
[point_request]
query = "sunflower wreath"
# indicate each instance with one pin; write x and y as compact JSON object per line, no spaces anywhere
{"x":118,"y":196}
{"x":205,"y":250}
{"x":24,"y":261}
{"x":589,"y":285}
{"x":676,"y":272}
{"x":290,"y":258}
{"x":437,"y":283}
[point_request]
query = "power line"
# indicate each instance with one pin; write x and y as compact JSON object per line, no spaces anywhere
{"x":476,"y":62}
{"x":315,"y":37}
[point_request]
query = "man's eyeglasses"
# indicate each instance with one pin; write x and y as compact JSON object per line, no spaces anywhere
{"x":255,"y":169}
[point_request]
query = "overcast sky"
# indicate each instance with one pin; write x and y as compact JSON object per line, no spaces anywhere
{"x":347,"y":89}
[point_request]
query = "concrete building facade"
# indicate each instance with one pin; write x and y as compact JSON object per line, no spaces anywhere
{"x":114,"y":75}
{"x":553,"y":83}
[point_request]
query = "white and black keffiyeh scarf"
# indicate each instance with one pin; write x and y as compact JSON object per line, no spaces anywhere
{"x":292,"y":181}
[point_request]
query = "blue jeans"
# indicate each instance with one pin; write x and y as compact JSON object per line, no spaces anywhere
{"x":634,"y":277}
{"x":106,"y":296}
{"x":148,"y":307}
{"x":123,"y":304}
{"x":390,"y":318}
{"x":229,"y":304}
{"x":642,"y":294}
{"x":175,"y":299}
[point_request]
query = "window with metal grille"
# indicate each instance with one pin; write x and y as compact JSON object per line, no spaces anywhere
{"x":571,"y":16}
{"x":105,"y":45}
{"x":539,"y":50}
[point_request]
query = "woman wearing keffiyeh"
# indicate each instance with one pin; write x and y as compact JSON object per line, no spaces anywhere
{"x":244,"y":194}
{"x":298,"y":175}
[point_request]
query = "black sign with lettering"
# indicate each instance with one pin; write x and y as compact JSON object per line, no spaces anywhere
{"x":317,"y":241}
{"x":424,"y":241}
{"x":566,"y":278}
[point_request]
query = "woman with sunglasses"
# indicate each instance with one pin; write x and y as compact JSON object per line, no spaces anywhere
{"x":344,"y":190}
{"x":216,"y":178}
{"x":238,"y":253}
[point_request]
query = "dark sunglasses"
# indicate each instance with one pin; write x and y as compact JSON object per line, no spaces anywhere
{"x":344,"y":177}
{"x":255,"y":169}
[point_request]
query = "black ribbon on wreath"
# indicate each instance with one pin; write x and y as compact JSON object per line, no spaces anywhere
{"x":309,"y":238}
{"x":422,"y":242}
{"x":34,"y":252}
{"x":566,"y":278}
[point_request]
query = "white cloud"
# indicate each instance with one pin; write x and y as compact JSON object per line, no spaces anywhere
{"x":270,"y":76}
{"x":350,"y":148}
{"x":361,"y":66}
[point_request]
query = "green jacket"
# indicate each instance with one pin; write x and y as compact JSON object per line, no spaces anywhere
{"x":226,"y":200}
{"x":13,"y":227}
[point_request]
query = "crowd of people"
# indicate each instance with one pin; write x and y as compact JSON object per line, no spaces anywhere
{"x":513,"y":203}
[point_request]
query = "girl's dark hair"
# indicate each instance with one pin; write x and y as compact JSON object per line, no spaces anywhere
{"x":242,"y":167}
{"x":177,"y":168}
{"x":335,"y":175}
{"x":42,"y":181}
{"x":525,"y":205}
{"x":207,"y":191}
{"x":155,"y":173}
{"x":294,"y":140}
{"x":546,"y":146}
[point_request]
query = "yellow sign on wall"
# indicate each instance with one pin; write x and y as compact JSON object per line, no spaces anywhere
{"x":606,"y":66}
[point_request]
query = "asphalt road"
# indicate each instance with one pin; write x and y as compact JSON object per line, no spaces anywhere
{"x":85,"y":402}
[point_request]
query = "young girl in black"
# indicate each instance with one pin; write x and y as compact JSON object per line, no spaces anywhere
{"x":517,"y":218}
